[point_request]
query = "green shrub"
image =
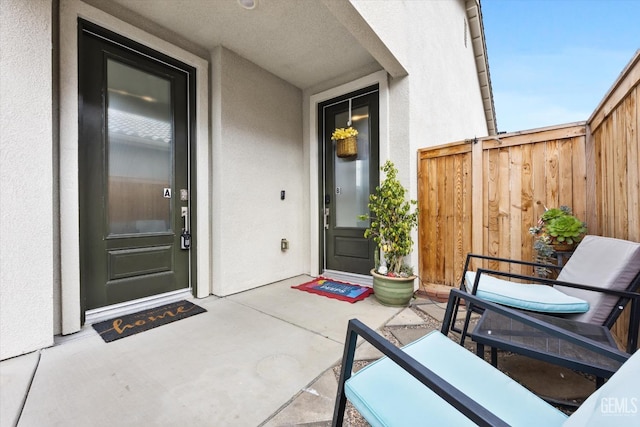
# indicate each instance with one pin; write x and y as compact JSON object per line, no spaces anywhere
{"x":391,"y":221}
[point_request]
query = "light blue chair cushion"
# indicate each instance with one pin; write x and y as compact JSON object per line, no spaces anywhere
{"x":533,"y":297}
{"x":616,"y":403}
{"x":386,"y":395}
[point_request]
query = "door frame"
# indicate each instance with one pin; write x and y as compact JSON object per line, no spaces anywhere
{"x":315,"y":186}
{"x":70,"y":11}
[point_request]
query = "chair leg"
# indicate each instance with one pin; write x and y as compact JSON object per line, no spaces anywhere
{"x":345,"y":374}
{"x":494,"y":357}
{"x":634,"y":327}
{"x":480,"y":350}
{"x":450,"y":314}
{"x":467,"y":320}
{"x":455,"y":307}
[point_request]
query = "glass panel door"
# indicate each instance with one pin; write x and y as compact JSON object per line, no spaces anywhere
{"x":352,"y":173}
{"x":133,"y":156}
{"x":348,"y":181}
{"x":139,"y":150}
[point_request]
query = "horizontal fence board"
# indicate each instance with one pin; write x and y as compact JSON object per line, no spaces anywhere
{"x":443,"y":151}
{"x":532,"y":137}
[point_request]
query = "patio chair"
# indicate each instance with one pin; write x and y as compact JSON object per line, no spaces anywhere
{"x":580,"y":346}
{"x":594,"y":286}
{"x":434,"y":381}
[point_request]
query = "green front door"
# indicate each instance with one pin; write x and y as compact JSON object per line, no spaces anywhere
{"x":134,"y":169}
{"x":348,"y":181}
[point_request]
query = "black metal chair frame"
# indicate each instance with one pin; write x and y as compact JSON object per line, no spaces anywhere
{"x":549,"y":329}
{"x":463,"y":403}
{"x":470,"y":408}
{"x":629,"y":295}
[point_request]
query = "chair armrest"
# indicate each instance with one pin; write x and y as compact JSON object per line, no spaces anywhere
{"x":455,"y":295}
{"x":510,"y":261}
{"x":481,"y":271}
{"x":552,"y":282}
{"x":464,"y":404}
{"x":471,"y":256}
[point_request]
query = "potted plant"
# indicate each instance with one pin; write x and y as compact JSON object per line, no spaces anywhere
{"x":346,"y":142}
{"x":557,"y":230}
{"x":391,"y":223}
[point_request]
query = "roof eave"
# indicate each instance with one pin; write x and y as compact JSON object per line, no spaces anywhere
{"x":476,"y":28}
{"x":347,"y":14}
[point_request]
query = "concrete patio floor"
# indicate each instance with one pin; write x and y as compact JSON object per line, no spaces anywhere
{"x":264,"y":357}
{"x":235,"y":365}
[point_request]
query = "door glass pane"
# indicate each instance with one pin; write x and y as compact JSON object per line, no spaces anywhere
{"x":139,"y":150}
{"x":352,"y":173}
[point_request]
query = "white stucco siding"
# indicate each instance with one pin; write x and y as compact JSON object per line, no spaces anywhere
{"x":440,"y":99}
{"x":444,"y":93}
{"x":257,"y":153}
{"x":26,"y":193}
{"x":447,"y":101}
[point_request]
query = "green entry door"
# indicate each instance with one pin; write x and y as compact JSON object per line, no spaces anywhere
{"x":348,"y":181}
{"x":134,"y":169}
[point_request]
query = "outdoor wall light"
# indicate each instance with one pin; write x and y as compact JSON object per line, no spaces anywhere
{"x":248,"y":4}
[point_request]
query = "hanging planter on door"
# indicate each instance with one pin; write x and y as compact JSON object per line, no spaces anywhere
{"x":347,"y":147}
{"x":346,"y":142}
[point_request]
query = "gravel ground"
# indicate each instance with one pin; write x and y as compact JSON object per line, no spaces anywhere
{"x":352,"y":417}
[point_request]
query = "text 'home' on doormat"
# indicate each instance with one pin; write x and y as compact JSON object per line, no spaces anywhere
{"x":337,"y":290}
{"x":130,"y":324}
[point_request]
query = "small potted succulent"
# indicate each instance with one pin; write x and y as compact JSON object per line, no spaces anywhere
{"x":391,"y":224}
{"x":557,"y":230}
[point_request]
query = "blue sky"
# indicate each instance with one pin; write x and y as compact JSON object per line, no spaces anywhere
{"x":552,"y":61}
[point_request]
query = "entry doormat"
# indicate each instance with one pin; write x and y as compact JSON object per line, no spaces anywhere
{"x":334,"y":289}
{"x":124,"y":326}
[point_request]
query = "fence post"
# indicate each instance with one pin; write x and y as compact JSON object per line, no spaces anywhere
{"x":477,"y":199}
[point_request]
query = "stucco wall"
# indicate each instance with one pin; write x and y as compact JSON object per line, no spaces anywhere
{"x":443,"y":93}
{"x":257,"y":152}
{"x":440,"y":100}
{"x":26,"y":194}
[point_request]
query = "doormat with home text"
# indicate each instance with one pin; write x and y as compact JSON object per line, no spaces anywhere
{"x":334,"y":289}
{"x":124,"y":326}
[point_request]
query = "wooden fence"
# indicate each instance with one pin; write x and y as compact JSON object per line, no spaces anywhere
{"x":613,"y":189}
{"x":482,"y":195}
